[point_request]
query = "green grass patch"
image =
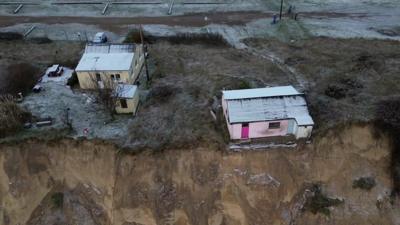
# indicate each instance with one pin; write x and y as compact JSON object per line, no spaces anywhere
{"x":320,"y":203}
{"x":57,"y":199}
{"x":364,"y":183}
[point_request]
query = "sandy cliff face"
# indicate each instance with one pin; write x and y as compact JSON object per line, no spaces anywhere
{"x":99,"y":185}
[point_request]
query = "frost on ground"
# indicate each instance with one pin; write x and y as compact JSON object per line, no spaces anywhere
{"x":56,"y":100}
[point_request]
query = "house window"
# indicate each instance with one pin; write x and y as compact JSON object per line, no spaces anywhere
{"x":98,"y":77}
{"x":112,"y":77}
{"x":123,"y":103}
{"x":118,"y":76}
{"x":274,"y":125}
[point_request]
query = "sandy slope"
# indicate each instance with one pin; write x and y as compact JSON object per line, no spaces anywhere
{"x":198,"y":186}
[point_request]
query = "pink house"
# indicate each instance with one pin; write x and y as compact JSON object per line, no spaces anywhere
{"x":266,"y":112}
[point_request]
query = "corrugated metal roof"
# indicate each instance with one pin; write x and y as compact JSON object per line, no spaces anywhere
{"x":260,"y":92}
{"x":269,"y":108}
{"x":110,"y":48}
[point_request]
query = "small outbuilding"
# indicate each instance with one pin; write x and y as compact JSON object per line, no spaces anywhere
{"x":127,"y":97}
{"x":266,"y":112}
{"x":102,"y":64}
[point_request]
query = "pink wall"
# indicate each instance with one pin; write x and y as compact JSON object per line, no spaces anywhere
{"x":259,"y":129}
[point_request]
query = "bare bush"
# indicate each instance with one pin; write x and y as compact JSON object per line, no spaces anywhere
{"x":12,"y":117}
{"x":388,"y":113}
{"x":133,"y":37}
{"x":19,"y":77}
{"x":162,"y":93}
{"x":107,"y":93}
{"x":10,"y":36}
{"x":40,"y":40}
{"x":209,"y":39}
{"x":319,"y":202}
{"x":365,"y":183}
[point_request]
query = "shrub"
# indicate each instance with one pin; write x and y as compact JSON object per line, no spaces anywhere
{"x":335,"y":91}
{"x":57,"y":199}
{"x":388,"y":113}
{"x":365,"y":183}
{"x":70,"y":63}
{"x":10,"y":36}
{"x":40,"y":40}
{"x":73,"y":80}
{"x":388,"y":122}
{"x":243,"y":84}
{"x":133,"y":37}
{"x":12,"y":117}
{"x":20,"y":77}
{"x":162,"y":93}
{"x":212,"y":39}
{"x":319,"y":203}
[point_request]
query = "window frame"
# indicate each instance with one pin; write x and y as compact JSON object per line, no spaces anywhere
{"x":98,"y":77}
{"x":274,"y":125}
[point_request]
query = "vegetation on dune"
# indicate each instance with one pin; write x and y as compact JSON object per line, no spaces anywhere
{"x":10,"y":36}
{"x":57,"y":199}
{"x":319,"y":202}
{"x":388,"y":122}
{"x":20,"y":77}
{"x":365,"y":183}
{"x":12,"y":117}
{"x":209,"y":39}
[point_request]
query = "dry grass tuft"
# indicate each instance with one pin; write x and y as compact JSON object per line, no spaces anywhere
{"x":12,"y":117}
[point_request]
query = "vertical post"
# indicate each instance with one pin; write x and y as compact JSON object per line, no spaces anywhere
{"x":280,"y":12}
{"x":29,"y":31}
{"x":66,"y":36}
{"x":105,"y":8}
{"x":18,"y":8}
{"x":144,"y":53}
{"x":170,"y":7}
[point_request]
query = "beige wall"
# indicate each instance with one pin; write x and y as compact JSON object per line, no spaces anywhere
{"x":87,"y":79}
{"x":132,"y":105}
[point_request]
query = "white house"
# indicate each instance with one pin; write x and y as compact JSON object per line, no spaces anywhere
{"x":266,"y":112}
{"x":102,"y":63}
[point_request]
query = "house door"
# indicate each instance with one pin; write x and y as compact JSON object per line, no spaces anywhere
{"x":245,"y":130}
{"x":100,"y":83}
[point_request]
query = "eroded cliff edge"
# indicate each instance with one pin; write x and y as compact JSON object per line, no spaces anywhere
{"x":99,"y":184}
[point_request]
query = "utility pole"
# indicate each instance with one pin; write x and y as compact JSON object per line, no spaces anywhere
{"x":144,"y":50}
{"x":280,"y":12}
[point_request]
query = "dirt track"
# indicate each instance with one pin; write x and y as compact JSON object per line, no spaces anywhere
{"x":189,"y":20}
{"x":192,"y":20}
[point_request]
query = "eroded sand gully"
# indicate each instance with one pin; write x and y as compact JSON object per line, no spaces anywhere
{"x":198,"y":186}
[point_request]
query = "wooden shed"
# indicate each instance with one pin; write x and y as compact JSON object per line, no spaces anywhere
{"x":127,"y":97}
